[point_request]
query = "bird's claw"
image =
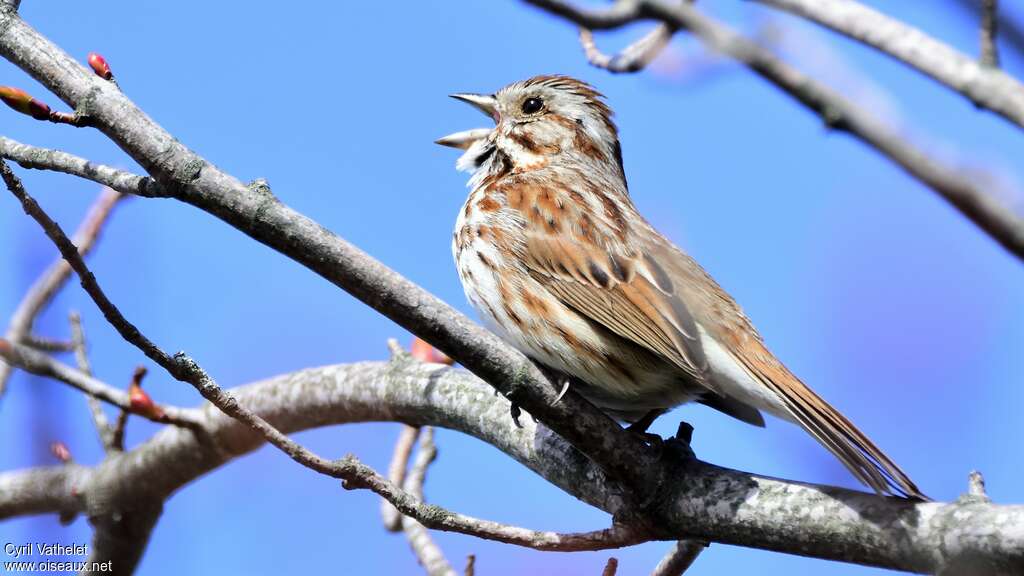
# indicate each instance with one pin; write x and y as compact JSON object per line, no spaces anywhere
{"x":565,"y":388}
{"x":516,"y":412}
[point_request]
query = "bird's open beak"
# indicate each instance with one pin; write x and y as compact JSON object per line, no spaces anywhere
{"x":482,"y":102}
{"x":463,"y":140}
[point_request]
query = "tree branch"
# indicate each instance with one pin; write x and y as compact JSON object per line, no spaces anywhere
{"x":427,"y":551}
{"x":712,"y":504}
{"x":989,"y":27}
{"x":390,"y":515}
{"x":987,"y":212}
{"x":987,"y":87}
{"x":632,"y":58}
{"x":99,"y":419}
{"x":679,"y":558}
{"x":40,"y":364}
{"x":31,"y":157}
{"x":56,"y":275}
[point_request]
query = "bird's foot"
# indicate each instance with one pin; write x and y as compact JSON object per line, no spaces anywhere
{"x":515,"y":411}
{"x":680,"y":443}
{"x":640,"y":429}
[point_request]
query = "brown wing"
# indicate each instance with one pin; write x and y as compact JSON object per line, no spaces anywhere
{"x":725,"y":321}
{"x":629,"y":294}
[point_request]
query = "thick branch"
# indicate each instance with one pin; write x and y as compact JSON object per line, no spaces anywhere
{"x":987,"y":87}
{"x":986,"y":211}
{"x":42,"y":490}
{"x":711,"y":504}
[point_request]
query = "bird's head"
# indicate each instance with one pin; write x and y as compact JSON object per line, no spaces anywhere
{"x":539,"y":121}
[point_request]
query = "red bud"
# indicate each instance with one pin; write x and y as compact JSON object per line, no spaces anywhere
{"x":99,"y":66}
{"x":426,"y":353}
{"x":140,"y":401}
{"x":21,"y":101}
{"x":60,"y":451}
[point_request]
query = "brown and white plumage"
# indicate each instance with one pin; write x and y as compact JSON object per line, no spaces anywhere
{"x":555,"y":257}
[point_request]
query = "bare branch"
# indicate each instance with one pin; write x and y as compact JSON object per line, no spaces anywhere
{"x":56,"y":275}
{"x":99,"y":418}
{"x":427,"y":551}
{"x":117,"y":433}
{"x":40,"y":364}
{"x":632,"y":58}
{"x":1000,"y":222}
{"x":987,"y":87}
{"x":58,"y":161}
{"x":713,"y":504}
{"x":611,"y":567}
{"x":989,"y":29}
{"x":1010,"y":31}
{"x":44,"y":344}
{"x":42,"y":490}
{"x":396,"y":475}
{"x":679,"y":558}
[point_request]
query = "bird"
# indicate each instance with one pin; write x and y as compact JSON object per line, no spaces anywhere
{"x":557,"y":260}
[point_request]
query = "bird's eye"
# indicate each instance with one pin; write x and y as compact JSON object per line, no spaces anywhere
{"x":532,"y":105}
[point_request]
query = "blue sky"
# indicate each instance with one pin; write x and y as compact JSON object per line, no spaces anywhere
{"x":873,"y":290}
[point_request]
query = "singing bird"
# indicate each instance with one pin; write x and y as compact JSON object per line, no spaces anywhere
{"x":558,"y":261}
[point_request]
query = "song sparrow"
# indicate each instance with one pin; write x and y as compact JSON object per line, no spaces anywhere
{"x":557,"y":260}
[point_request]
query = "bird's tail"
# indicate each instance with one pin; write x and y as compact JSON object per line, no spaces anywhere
{"x":830,"y":428}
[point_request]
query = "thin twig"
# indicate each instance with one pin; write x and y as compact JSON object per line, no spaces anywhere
{"x":632,"y":58}
{"x":679,"y":559}
{"x":33,"y":157}
{"x":117,"y":433}
{"x":44,"y":344}
{"x":989,"y":29}
{"x":428,"y":553}
{"x":40,"y":364}
{"x":49,"y":283}
{"x":390,"y":515}
{"x":1010,"y":30}
{"x":976,"y":487}
{"x":99,"y":417}
{"x":985,"y":210}
{"x":611,"y":567}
